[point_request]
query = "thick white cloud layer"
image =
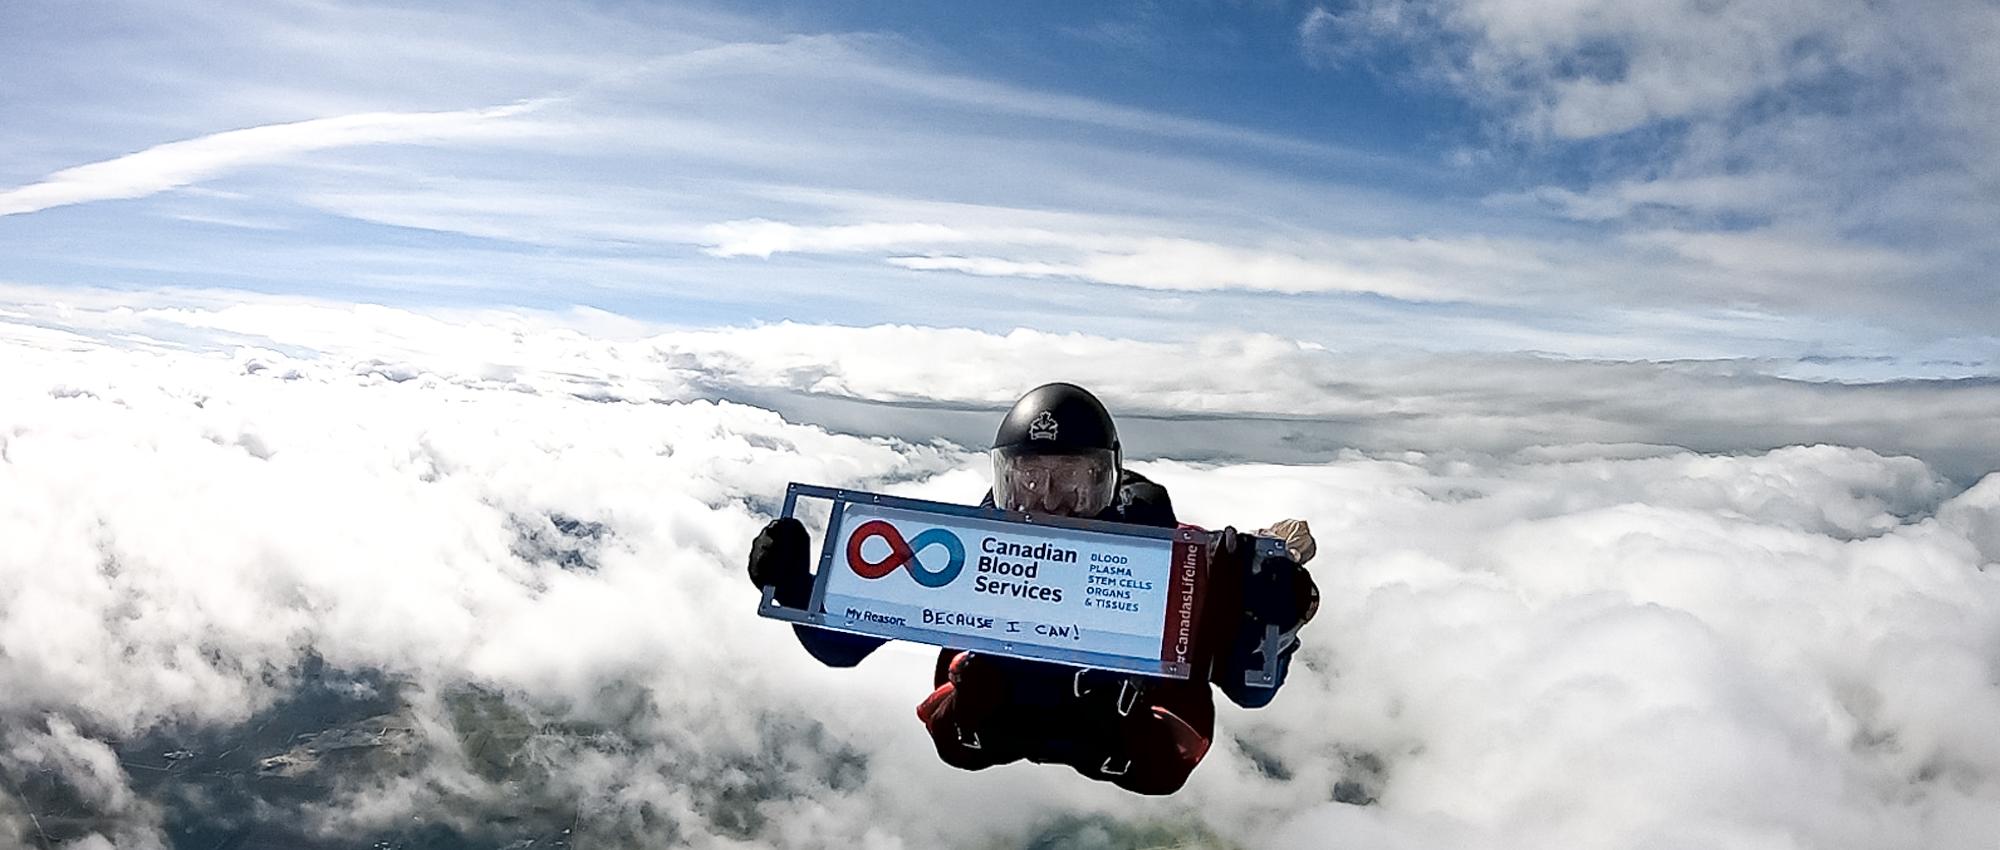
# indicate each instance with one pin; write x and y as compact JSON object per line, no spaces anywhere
{"x":1571,"y":645}
{"x":1227,"y":395}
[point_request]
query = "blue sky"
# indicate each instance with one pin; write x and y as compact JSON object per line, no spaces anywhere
{"x":1758,"y":179}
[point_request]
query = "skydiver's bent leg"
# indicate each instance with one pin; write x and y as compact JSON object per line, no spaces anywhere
{"x":1156,"y":753}
{"x":962,"y":713}
{"x":1143,"y":737}
{"x":963,"y":725}
{"x":961,"y":734}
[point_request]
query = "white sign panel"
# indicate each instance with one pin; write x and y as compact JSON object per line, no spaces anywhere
{"x":1098,"y":598}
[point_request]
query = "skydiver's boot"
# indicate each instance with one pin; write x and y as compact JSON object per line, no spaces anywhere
{"x":1128,"y":738}
{"x":1160,"y":749}
{"x":960,"y":716}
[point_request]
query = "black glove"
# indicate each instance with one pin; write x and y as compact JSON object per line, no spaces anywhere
{"x":779,"y":557}
{"x":1230,"y":549}
{"x":1270,"y":592}
{"x":1276,"y":590}
{"x":1306,"y":591}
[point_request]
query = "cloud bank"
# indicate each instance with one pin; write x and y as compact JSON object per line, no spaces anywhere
{"x":1225,"y":396}
{"x":519,"y":574}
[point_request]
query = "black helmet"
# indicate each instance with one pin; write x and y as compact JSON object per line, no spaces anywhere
{"x":1056,"y":452}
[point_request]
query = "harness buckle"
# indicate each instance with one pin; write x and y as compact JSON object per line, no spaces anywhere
{"x":1128,"y":697}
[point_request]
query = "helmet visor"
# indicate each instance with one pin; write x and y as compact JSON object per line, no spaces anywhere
{"x":1079,"y":484}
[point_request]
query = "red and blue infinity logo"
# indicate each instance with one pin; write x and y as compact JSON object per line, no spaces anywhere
{"x":904,"y":553}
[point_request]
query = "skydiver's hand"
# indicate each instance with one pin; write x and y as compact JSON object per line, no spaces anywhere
{"x":778,"y":557}
{"x":1276,"y":590}
{"x":1231,"y":549}
{"x":1270,"y":591}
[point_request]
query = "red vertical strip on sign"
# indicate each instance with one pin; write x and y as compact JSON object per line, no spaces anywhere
{"x":1190,"y":570}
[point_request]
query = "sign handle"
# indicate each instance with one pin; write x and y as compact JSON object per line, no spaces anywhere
{"x":825,"y":559}
{"x":1273,"y":643}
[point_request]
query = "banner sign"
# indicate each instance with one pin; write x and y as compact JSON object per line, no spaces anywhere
{"x":1081,"y":592}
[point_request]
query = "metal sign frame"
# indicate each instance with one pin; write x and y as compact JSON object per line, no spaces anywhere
{"x":815,"y":615}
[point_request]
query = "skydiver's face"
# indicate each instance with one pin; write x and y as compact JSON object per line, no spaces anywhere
{"x":1078,"y":485}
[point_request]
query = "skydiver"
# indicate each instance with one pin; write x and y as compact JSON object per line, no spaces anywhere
{"x":1057,"y":452}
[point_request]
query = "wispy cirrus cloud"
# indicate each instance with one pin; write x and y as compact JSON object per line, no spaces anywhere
{"x":1590,"y":70}
{"x":1404,"y":269}
{"x":176,"y":164}
{"x":1854,"y":138}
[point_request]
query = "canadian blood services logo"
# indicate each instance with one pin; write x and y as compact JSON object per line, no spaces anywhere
{"x":903,"y":553}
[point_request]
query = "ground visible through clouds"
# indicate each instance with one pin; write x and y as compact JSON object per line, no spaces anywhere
{"x":282,"y":576}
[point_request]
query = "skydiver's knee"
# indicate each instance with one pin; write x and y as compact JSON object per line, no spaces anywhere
{"x":972,"y":754}
{"x":1159,"y":781}
{"x":1156,"y":781}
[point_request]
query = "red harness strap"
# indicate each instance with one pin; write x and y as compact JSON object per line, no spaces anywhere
{"x":1189,"y":743}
